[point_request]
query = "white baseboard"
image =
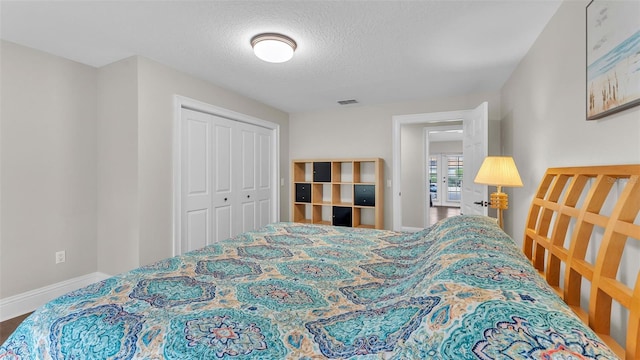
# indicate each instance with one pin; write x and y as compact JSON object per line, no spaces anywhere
{"x":29,"y":301}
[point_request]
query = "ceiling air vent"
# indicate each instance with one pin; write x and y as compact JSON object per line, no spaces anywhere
{"x":348,"y":102}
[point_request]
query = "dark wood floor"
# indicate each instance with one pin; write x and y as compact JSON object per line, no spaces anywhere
{"x":7,"y":327}
{"x":437,"y":213}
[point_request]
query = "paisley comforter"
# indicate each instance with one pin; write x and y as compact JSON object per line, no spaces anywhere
{"x":460,"y":289}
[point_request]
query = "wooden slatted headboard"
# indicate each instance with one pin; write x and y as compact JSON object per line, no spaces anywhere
{"x":566,"y":209}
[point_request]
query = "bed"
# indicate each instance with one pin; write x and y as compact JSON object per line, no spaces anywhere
{"x":460,"y":289}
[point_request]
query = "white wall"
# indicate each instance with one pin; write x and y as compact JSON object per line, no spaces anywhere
{"x":543,"y":109}
{"x":48,"y":167}
{"x":365,"y":131}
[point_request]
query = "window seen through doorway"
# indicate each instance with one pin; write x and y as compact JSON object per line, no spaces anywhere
{"x":445,"y":179}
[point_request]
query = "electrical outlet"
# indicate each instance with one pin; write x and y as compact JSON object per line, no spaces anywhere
{"x":60,"y":257}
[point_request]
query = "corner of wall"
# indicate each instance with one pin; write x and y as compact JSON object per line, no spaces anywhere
{"x":117,"y":144}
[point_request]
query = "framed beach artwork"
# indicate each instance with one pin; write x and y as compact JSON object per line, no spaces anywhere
{"x":613,"y":56}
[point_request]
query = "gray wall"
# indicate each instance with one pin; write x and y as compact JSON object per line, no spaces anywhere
{"x":48,"y":167}
{"x":117,"y":143}
{"x":87,"y":163}
{"x":543,"y":113}
{"x":412,"y":160}
{"x":412,"y":166}
{"x":365,"y":131}
{"x":412,"y":176}
{"x":86,"y":153}
{"x":157,"y":85}
{"x":444,"y":147}
{"x":543,"y":108}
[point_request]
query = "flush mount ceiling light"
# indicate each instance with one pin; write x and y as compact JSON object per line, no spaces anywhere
{"x":274,"y":48}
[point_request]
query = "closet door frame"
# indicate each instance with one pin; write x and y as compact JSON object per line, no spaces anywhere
{"x":180,"y":103}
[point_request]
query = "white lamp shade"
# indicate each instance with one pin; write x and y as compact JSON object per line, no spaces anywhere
{"x":498,"y":171}
{"x":273,"y":48}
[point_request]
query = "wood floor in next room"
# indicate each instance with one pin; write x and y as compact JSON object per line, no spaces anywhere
{"x":437,"y":213}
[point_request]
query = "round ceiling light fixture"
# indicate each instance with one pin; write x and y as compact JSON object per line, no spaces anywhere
{"x":272,"y":47}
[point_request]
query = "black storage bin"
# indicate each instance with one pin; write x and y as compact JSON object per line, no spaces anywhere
{"x":322,"y":172}
{"x":364,"y":195}
{"x":303,"y":193}
{"x":342,"y":216}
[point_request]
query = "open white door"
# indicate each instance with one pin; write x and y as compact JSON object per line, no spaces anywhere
{"x":474,"y":149}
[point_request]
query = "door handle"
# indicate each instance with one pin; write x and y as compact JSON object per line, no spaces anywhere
{"x":225,"y":199}
{"x":481,"y":203}
{"x":248,"y":196}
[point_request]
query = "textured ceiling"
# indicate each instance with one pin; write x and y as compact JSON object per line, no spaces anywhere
{"x":373,"y":51}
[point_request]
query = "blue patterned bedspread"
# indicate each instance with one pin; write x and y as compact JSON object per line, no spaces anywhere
{"x":460,"y":289}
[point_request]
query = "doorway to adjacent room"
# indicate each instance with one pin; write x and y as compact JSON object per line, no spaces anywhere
{"x":411,"y":211}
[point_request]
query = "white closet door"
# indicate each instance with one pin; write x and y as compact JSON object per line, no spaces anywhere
{"x":196,"y":180}
{"x":226,"y":177}
{"x":224,"y":199}
{"x":264,"y":195}
{"x":254,"y":177}
{"x":247,"y":178}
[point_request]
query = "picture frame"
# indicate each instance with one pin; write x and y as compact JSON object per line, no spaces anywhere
{"x":612,"y":57}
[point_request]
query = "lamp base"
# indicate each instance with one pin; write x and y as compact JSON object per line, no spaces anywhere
{"x":499,"y":201}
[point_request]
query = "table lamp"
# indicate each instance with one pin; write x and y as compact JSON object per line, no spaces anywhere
{"x":499,"y":171}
